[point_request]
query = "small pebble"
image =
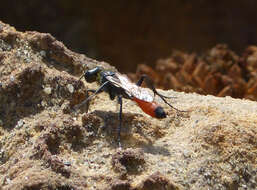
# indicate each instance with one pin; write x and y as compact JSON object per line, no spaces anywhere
{"x":12,"y":78}
{"x":186,"y":154}
{"x":26,"y":52}
{"x":19,"y":124}
{"x":67,"y":163}
{"x":2,"y":152}
{"x":70,"y":88}
{"x":48,"y":90}
{"x":7,"y":180}
{"x":43,"y":103}
{"x":42,"y":53}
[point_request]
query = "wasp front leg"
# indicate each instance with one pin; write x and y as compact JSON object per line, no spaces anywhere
{"x":86,"y":101}
{"x":100,"y":89}
{"x":87,"y":96}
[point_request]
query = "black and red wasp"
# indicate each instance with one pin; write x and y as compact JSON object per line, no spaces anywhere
{"x":118,"y":85}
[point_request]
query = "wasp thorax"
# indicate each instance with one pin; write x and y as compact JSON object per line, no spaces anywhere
{"x":91,"y":75}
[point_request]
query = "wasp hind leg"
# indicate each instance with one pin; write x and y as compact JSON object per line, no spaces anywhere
{"x":150,"y":84}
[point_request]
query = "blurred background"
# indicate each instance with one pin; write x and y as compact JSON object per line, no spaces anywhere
{"x":126,"y":33}
{"x":141,"y":36}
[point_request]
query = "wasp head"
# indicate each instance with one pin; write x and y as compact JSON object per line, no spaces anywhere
{"x":91,"y":75}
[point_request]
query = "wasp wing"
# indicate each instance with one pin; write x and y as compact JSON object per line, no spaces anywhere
{"x":130,"y":88}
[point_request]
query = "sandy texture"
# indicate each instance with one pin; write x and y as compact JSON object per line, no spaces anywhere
{"x":45,"y":145}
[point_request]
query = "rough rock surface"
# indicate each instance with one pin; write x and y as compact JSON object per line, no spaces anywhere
{"x":45,"y":145}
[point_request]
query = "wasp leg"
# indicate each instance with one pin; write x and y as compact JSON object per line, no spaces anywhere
{"x":90,"y":97}
{"x":148,"y":81}
{"x":150,"y":84}
{"x":87,"y":95}
{"x":120,"y":119}
{"x":170,"y":104}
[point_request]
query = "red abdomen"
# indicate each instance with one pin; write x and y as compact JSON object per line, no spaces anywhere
{"x":148,"y":107}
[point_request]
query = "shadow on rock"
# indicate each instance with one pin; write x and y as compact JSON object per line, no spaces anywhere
{"x":135,"y":131}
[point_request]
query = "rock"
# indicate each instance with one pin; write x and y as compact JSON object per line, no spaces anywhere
{"x":120,"y":185}
{"x":128,"y":161}
{"x":157,"y":181}
{"x":211,"y":146}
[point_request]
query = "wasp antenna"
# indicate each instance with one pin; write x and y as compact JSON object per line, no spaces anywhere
{"x":81,"y":76}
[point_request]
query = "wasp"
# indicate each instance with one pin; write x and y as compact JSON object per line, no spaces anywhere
{"x":118,"y":85}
